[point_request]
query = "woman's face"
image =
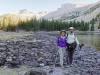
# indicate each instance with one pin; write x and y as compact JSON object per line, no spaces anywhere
{"x":63,"y":34}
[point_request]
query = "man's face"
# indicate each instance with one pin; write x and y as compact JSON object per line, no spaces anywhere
{"x":71,"y":30}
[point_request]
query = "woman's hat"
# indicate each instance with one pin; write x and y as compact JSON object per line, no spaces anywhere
{"x":63,"y":31}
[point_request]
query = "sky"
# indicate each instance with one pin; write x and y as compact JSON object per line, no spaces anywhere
{"x":38,"y":5}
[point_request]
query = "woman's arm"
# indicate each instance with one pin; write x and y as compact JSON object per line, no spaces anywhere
{"x":57,"y":41}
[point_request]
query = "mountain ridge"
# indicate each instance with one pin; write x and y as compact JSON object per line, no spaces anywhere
{"x":78,"y":13}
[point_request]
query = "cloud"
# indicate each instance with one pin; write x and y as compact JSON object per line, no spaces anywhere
{"x":84,"y":1}
{"x":81,"y":3}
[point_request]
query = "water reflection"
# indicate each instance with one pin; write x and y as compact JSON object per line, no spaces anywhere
{"x":90,"y":40}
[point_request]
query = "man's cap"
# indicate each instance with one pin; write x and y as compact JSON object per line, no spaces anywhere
{"x":71,"y":28}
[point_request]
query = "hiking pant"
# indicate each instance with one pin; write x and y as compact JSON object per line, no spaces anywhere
{"x":61,"y":52}
{"x":71,"y":49}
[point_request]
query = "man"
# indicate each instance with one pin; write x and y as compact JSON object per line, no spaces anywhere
{"x":72,"y":43}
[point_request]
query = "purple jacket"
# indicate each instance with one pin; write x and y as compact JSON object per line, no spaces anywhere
{"x":61,"y":42}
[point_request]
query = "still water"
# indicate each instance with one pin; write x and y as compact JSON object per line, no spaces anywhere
{"x":90,"y":40}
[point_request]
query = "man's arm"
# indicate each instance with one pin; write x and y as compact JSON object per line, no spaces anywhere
{"x":77,"y":41}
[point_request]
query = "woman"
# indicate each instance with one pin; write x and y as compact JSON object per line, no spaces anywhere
{"x":62,"y":44}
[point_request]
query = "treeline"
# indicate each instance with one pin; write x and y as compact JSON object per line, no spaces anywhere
{"x":45,"y":25}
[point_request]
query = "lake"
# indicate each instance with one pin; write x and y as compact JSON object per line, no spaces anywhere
{"x":90,"y":40}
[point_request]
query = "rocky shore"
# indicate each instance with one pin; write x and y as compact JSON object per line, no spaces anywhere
{"x":40,"y":50}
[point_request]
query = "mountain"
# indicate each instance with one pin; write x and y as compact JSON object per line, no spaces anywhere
{"x":65,"y":9}
{"x":89,"y":13}
{"x":69,"y":12}
{"x":14,"y":18}
{"x":25,"y":14}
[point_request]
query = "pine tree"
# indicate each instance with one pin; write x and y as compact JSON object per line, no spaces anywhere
{"x":92,"y":22}
{"x":92,"y":27}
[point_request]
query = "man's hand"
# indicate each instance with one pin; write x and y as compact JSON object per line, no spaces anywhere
{"x":81,"y":45}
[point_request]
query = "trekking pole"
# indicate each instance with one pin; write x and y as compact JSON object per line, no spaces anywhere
{"x":80,"y":46}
